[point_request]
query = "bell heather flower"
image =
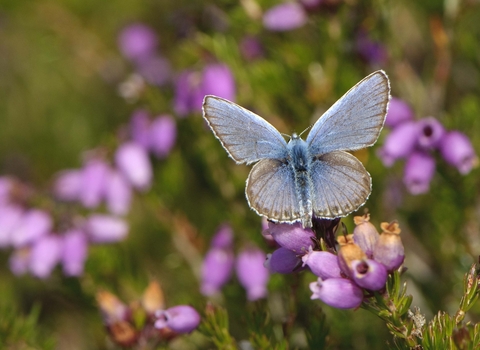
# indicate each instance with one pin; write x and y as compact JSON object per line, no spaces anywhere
{"x":137,"y":41}
{"x":34,"y":224}
{"x":105,"y":228}
{"x":188,"y":95}
{"x":430,"y":132}
{"x":286,"y":16}
{"x":162,"y":135}
{"x":347,"y":254}
{"x":118,"y":193}
{"x":10,"y":217}
{"x":92,"y":187}
{"x":218,"y":263}
{"x":322,"y":264}
{"x":398,"y":112}
{"x":458,"y":151}
{"x":251,"y":273}
{"x":369,"y":274}
{"x":68,"y":185}
{"x":399,"y":143}
{"x":44,"y":255}
{"x":283,"y":260}
{"x":140,"y":128}
{"x":339,"y":293}
{"x":74,"y":252}
{"x":180,"y":319}
{"x":418,"y":172}
{"x":365,"y":235}
{"x":292,"y":236}
{"x":370,"y":50}
{"x":132,"y":160}
{"x":155,"y":69}
{"x":218,"y":80}
{"x":389,"y":248}
{"x":251,"y":48}
{"x":19,"y":261}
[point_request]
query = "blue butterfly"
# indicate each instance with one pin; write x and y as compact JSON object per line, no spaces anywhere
{"x":298,"y":180}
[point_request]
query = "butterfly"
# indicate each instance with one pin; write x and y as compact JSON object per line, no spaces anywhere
{"x":302,"y":179}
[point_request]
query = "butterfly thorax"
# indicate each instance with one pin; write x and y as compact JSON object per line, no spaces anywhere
{"x":298,"y":154}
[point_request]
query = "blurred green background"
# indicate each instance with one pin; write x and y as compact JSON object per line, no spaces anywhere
{"x":60,"y":68}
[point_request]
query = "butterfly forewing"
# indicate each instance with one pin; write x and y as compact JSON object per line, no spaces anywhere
{"x":245,"y":136}
{"x":271,"y":191}
{"x":355,"y":120}
{"x":340,"y":184}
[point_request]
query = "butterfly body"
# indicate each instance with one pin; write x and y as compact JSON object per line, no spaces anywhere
{"x":300,"y":179}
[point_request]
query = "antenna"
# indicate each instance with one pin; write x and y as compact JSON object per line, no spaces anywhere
{"x":304,"y":131}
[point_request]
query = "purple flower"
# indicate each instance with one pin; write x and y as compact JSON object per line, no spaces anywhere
{"x":251,"y":48}
{"x":458,"y":151}
{"x":132,"y":160}
{"x":369,"y":274}
{"x":118,"y":193}
{"x":74,"y":254}
{"x":216,"y":270}
{"x":68,"y":185}
{"x":418,"y":172}
{"x":162,"y":135}
{"x":188,"y":95}
{"x":137,"y":41}
{"x":398,"y":112}
{"x":34,"y":224}
{"x":105,"y":228}
{"x":339,"y":293}
{"x":371,"y":51}
{"x":292,"y":236}
{"x":430,"y":132}
{"x":218,"y":80}
{"x":389,"y":248}
{"x":323,"y":264}
{"x":223,"y":238}
{"x":348,"y":253}
{"x":399,"y":143}
{"x":284,"y":17}
{"x":180,"y":319}
{"x":140,"y":127}
{"x":93,"y":183}
{"x":6,"y":185}
{"x":365,"y":235}
{"x":251,"y":273}
{"x":45,"y":254}
{"x":283,"y":260}
{"x":19,"y":261}
{"x":156,"y":70}
{"x":10,"y":218}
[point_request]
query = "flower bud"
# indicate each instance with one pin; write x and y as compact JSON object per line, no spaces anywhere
{"x":284,"y":17}
{"x":292,"y":236}
{"x":223,"y":238}
{"x":398,"y":112}
{"x":140,"y":128}
{"x":68,"y":185}
{"x":399,"y":143}
{"x":180,"y":319}
{"x":340,"y":293}
{"x":369,"y":274}
{"x":118,"y":193}
{"x":283,"y":260}
{"x":105,"y":228}
{"x":152,"y":299}
{"x":34,"y":224}
{"x":46,"y":252}
{"x":389,"y":248}
{"x":163,"y":133}
{"x":132,"y":160}
{"x":458,"y":151}
{"x":218,"y":80}
{"x":365,"y":235}
{"x":252,"y":274}
{"x":216,"y":270}
{"x":137,"y":41}
{"x":75,"y":250}
{"x":93,"y":182}
{"x":322,"y":264}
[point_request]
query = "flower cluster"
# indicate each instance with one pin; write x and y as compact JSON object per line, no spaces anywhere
{"x":416,"y":141}
{"x":361,"y":266}
{"x":219,"y":263}
{"x":43,"y":238}
{"x":147,"y":321}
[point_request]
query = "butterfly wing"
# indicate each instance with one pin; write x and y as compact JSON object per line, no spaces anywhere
{"x":246,"y":137}
{"x":271,"y":191}
{"x":340,"y":184}
{"x":355,"y":120}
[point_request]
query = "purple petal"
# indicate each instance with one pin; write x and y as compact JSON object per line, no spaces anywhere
{"x":251,"y":273}
{"x":19,"y":261}
{"x":369,"y":274}
{"x":216,"y":270}
{"x":365,"y":235}
{"x":322,"y":264}
{"x":419,"y":171}
{"x":140,"y":127}
{"x":133,"y":161}
{"x":339,"y":293}
{"x":223,"y":238}
{"x":399,"y":143}
{"x":156,"y":70}
{"x":431,"y":132}
{"x":458,"y":151}
{"x":162,"y":135}
{"x":118,"y":194}
{"x":10,"y":218}
{"x":286,"y":16}
{"x":105,"y":228}
{"x":137,"y":41}
{"x":75,"y":250}
{"x":34,"y":224}
{"x":398,"y":112}
{"x":188,"y":96}
{"x":68,"y":185}
{"x":180,"y":319}
{"x":283,"y":261}
{"x":6,"y":186}
{"x":218,"y":80}
{"x":93,"y":183}
{"x":292,"y":236}
{"x":45,"y":254}
{"x":389,"y":251}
